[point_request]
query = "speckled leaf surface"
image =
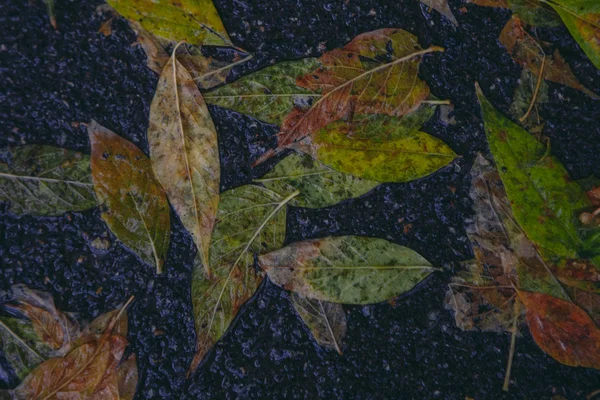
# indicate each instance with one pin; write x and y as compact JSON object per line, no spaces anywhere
{"x":563,"y":330}
{"x":442,"y":7}
{"x":135,"y":207}
{"x":45,"y":180}
{"x":21,"y":346}
{"x":326,"y":321}
{"x":184,"y":153}
{"x":347,"y":269}
{"x":582,"y":18}
{"x":376,"y":73}
{"x":545,"y":202}
{"x":268,"y":94}
{"x":319,"y":185}
{"x":195,"y":21}
{"x":395,"y":157}
{"x":250,"y":219}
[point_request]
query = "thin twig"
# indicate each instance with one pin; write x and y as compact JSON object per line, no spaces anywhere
{"x":513,"y":342}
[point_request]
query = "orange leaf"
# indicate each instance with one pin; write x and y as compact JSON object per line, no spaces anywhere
{"x":562,"y":330}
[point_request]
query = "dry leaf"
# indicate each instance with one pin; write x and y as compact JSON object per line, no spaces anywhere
{"x":184,"y":153}
{"x":376,"y":73}
{"x":442,"y":7}
{"x":136,"y":207}
{"x":562,"y":330}
{"x":490,"y":3}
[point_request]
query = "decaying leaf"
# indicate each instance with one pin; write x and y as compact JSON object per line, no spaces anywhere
{"x":268,"y":94}
{"x":521,"y":108}
{"x":21,"y":346}
{"x":442,"y":7}
{"x":490,"y":3}
{"x":87,"y":371}
{"x":326,"y":321}
{"x":582,"y":18}
{"x":347,"y":269}
{"x":136,"y":207}
{"x":376,"y":73}
{"x":394,"y":155}
{"x":562,"y":330}
{"x":250,"y":219}
{"x":529,"y":53}
{"x":46,"y":180}
{"x":207,"y":72}
{"x":195,"y":21}
{"x":535,"y":12}
{"x":319,"y":185}
{"x":184,"y":153}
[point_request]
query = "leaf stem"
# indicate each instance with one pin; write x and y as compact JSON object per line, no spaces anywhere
{"x":513,"y":342}
{"x":18,"y":339}
{"x":436,"y":102}
{"x":536,"y":91}
{"x":243,"y":60}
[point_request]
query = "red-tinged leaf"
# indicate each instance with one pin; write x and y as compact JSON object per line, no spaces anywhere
{"x":562,"y":330}
{"x":127,"y":378}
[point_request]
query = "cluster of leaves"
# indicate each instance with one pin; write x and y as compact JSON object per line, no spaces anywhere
{"x":55,"y":359}
{"x":352,"y":118}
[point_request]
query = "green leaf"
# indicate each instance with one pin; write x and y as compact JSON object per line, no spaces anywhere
{"x":184,"y":153}
{"x":20,"y":345}
{"x":195,"y":21}
{"x":347,"y":269}
{"x":46,"y":180}
{"x":582,"y":18}
{"x":136,"y":207}
{"x":326,"y":321}
{"x":397,"y":156}
{"x":319,"y":185}
{"x":522,"y":99}
{"x":250,"y":219}
{"x":535,"y":13}
{"x":545,"y":202}
{"x":269,"y":94}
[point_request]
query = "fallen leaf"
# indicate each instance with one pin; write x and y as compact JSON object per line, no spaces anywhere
{"x":490,"y":3}
{"x":528,"y":53}
{"x":46,"y":180}
{"x":195,"y":21}
{"x":326,"y":321}
{"x":20,"y":345}
{"x":521,"y":102}
{"x":582,"y":18}
{"x":127,"y":378}
{"x":443,"y":8}
{"x":268,"y":94}
{"x":535,"y":12}
{"x":319,"y":185}
{"x":207,"y":72}
{"x":347,"y":269}
{"x":184,"y":153}
{"x":250,"y":219}
{"x":136,"y":207}
{"x":376,"y":73}
{"x":106,"y":27}
{"x":51,"y":13}
{"x":562,"y":330}
{"x":389,"y":157}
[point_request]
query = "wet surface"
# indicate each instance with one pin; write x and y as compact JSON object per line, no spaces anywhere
{"x":52,"y":82}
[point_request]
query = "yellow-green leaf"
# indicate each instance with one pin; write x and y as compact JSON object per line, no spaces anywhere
{"x":195,"y":21}
{"x":184,"y":153}
{"x":135,"y":206}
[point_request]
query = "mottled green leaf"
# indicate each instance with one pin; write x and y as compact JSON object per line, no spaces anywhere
{"x":347,"y":269}
{"x":20,"y":345}
{"x":535,"y":12}
{"x":398,"y":156}
{"x":46,"y":180}
{"x":582,"y":18}
{"x":268,"y":94}
{"x":326,"y":321}
{"x":522,"y":99}
{"x":250,"y":219}
{"x":195,"y":21}
{"x":135,"y":206}
{"x":319,"y":185}
{"x":184,"y":153}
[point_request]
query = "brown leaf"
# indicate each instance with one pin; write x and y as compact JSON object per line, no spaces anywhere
{"x":127,"y":378}
{"x":529,"y":53}
{"x":442,"y":7}
{"x":490,"y":3}
{"x":594,"y":196}
{"x":376,"y":73}
{"x":562,"y":330}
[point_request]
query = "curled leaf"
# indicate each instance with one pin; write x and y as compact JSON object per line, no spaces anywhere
{"x":195,"y":21}
{"x":136,"y":207}
{"x":376,"y":73}
{"x":184,"y":153}
{"x":390,"y":156}
{"x":326,"y":321}
{"x":319,"y":185}
{"x":347,"y":269}
{"x":562,"y":330}
{"x":46,"y":180}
